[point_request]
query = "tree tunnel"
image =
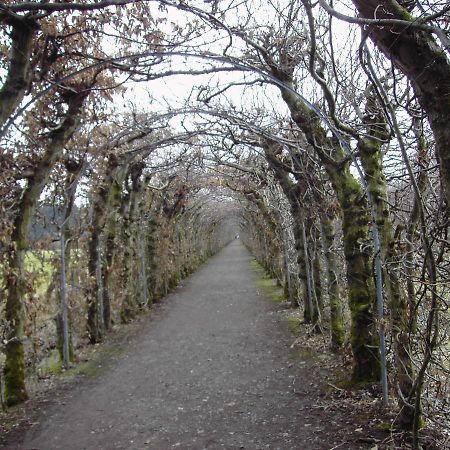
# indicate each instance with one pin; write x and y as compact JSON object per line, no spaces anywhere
{"x":138,"y":138}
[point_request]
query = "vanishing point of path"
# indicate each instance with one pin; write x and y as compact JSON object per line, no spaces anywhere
{"x":212,"y":371}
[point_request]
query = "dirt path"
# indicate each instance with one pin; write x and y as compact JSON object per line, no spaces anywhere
{"x":213,"y":371}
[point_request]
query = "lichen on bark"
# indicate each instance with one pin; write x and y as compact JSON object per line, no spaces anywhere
{"x":356,"y":238}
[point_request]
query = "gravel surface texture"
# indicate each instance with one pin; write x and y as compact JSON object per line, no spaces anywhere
{"x":210,"y":369}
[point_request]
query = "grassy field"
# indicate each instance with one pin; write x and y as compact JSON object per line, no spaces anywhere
{"x":40,"y":266}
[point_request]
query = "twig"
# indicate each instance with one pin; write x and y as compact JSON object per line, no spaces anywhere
{"x":338,"y":389}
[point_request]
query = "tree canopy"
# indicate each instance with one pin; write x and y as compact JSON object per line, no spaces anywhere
{"x":142,"y":136}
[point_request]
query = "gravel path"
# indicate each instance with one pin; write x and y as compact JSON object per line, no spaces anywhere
{"x":212,"y":371}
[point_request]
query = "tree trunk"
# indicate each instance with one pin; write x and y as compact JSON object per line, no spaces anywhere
{"x":15,"y":391}
{"x":316,"y":280}
{"x":101,"y":210}
{"x":142,"y":269}
{"x":94,"y":327}
{"x":287,"y":278}
{"x":309,"y":301}
{"x":360,"y":282}
{"x":16,"y":283}
{"x":110,"y":247}
{"x":151,"y":233}
{"x":370,"y":151}
{"x":355,"y":227}
{"x":334,"y":296}
{"x":423,"y":160}
{"x":418,"y":56}
{"x":18,"y":75}
{"x":129,"y":305}
{"x":64,"y":338}
{"x":293,"y":193}
{"x":405,"y":335}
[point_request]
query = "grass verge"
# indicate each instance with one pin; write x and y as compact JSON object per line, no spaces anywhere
{"x":267,"y":285}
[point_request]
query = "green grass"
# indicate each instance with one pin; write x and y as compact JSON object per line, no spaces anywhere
{"x":91,"y":368}
{"x":293,"y":323}
{"x":100,"y":359}
{"x":267,"y":286}
{"x":51,"y":365}
{"x":41,"y":265}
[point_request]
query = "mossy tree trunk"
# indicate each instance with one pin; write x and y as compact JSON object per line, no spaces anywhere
{"x":309,"y":300}
{"x":18,"y":75}
{"x":256,"y":241}
{"x":269,"y":238}
{"x":360,"y":282}
{"x":195,"y":241}
{"x":176,"y":246}
{"x":127,"y":309}
{"x":101,"y":209}
{"x":316,"y":279}
{"x":150,"y":242}
{"x":94,"y":324}
{"x":14,"y":371}
{"x":16,"y":282}
{"x":288,"y":291}
{"x":110,"y":244}
{"x":305,"y":181}
{"x":293,"y":192}
{"x":63,"y":328}
{"x":332,"y":268}
{"x":130,"y":201}
{"x":415,"y":52}
{"x":370,"y":150}
{"x":141,"y":252}
{"x":356,"y":234}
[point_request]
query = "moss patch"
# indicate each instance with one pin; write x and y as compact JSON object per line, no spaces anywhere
{"x":50,"y":365}
{"x":100,"y":360}
{"x":344,"y":380}
{"x":384,"y":426}
{"x":90,"y":368}
{"x":267,"y":285}
{"x":14,"y":374}
{"x":302,"y":354}
{"x":293,"y":323}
